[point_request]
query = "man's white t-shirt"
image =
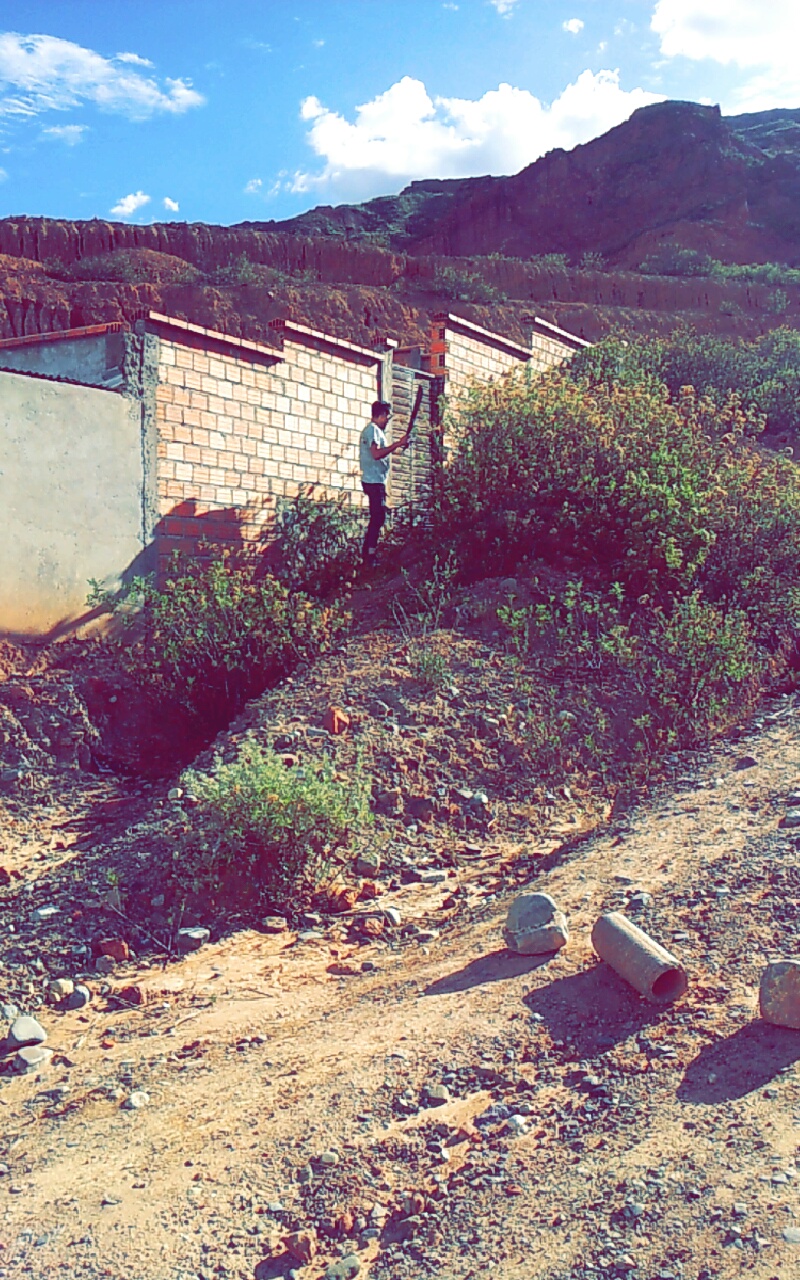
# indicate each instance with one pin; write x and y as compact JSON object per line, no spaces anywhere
{"x":372,"y":471}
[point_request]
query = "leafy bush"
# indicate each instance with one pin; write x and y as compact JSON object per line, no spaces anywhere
{"x":465,"y":286}
{"x":259,"y":823}
{"x":687,"y":538}
{"x":239,"y":271}
{"x":550,"y":262}
{"x":621,"y":478}
{"x":128,"y":266}
{"x":212,"y":636}
{"x":764,"y":373}
{"x":674,"y":261}
{"x":632,"y":682}
{"x":317,"y":544}
{"x":592,"y":261}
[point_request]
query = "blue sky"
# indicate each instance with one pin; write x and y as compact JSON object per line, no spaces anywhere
{"x":212,"y":111}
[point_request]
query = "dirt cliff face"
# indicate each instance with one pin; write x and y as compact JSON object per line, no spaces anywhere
{"x":675,"y":174}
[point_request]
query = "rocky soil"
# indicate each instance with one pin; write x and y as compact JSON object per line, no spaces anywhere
{"x":374,"y":1085}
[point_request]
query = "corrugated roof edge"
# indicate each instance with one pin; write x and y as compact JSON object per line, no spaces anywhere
{"x":485,"y":335}
{"x":303,"y":331}
{"x":59,"y":335}
{"x":212,"y":335}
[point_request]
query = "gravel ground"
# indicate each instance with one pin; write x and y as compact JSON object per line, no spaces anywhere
{"x":412,"y":1094}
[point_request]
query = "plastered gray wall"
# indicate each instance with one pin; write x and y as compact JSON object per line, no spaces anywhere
{"x":95,"y":359}
{"x":71,"y":493}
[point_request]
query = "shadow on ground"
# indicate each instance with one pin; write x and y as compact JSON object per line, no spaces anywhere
{"x":498,"y":966}
{"x":739,"y":1064}
{"x":593,"y":1010}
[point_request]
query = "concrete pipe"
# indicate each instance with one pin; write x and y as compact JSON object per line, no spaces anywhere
{"x":645,"y":964}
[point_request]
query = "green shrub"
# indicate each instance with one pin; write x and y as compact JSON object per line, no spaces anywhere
{"x":465,"y":286}
{"x":674,"y":261}
{"x":211,"y":637}
{"x":591,"y":261}
{"x":620,"y":478}
{"x":239,"y":271}
{"x":550,"y":262}
{"x":128,"y":266}
{"x":273,"y":828}
{"x":764,"y":373}
{"x":632,"y":681}
{"x":317,"y":544}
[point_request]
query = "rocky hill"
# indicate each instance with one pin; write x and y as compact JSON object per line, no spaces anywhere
{"x":676,"y":176}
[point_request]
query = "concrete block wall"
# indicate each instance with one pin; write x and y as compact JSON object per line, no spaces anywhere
{"x":240,"y":426}
{"x":327,"y":389}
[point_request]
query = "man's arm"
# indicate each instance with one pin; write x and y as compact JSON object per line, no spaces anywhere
{"x":379,"y":452}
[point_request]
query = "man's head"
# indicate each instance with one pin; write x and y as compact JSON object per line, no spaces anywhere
{"x":381,"y":411}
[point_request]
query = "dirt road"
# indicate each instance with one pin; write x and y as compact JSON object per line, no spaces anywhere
{"x":288,"y":1082}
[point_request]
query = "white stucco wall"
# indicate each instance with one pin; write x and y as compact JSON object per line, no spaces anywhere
{"x":71,"y":497}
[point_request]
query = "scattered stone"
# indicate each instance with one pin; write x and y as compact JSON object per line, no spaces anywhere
{"x":393,"y":916}
{"x":59,"y":989}
{"x":517,"y":1125}
{"x":41,"y":914}
{"x":329,"y":1157}
{"x":115,"y":948}
{"x":274,"y":924}
{"x":368,"y":966}
{"x":136,"y":1100}
{"x":368,"y":864}
{"x":438,"y":1094}
{"x":305,"y":1175}
{"x":534,"y":925}
{"x":192,"y":938}
{"x":104,"y":964}
{"x":175,"y":793}
{"x":79,"y":999}
{"x":302,"y":1245}
{"x":33,"y":1057}
{"x":24,"y":1031}
{"x":344,"y":1268}
{"x":335,"y":720}
{"x":779,"y":994}
{"x":791,"y":1235}
{"x":341,"y":969}
{"x":791,"y":818}
{"x":8,"y":1012}
{"x":133,"y":995}
{"x":745,"y":762}
{"x":432,"y":876}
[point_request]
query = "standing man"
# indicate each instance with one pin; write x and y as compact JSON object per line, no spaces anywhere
{"x":374,"y":457}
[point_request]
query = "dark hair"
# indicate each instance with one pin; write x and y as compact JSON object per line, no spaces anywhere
{"x":380,"y":406}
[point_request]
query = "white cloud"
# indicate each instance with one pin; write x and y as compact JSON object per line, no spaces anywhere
{"x":405,"y":134}
{"x":171,"y":206}
{"x":449,"y":5}
{"x":71,"y":134}
{"x":504,"y":7}
{"x":134,"y":59}
{"x":759,"y":37}
{"x":318,"y":44}
{"x":45,"y":73}
{"x":3,"y":175}
{"x":573,"y":25}
{"x":253,"y":187}
{"x":129,"y":204}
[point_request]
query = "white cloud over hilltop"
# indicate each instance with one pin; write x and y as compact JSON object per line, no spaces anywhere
{"x":762,"y":36}
{"x":128,"y":205}
{"x":404,"y":133}
{"x":41,"y":73}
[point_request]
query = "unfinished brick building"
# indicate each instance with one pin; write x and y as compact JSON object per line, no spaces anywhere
{"x":122,"y":446}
